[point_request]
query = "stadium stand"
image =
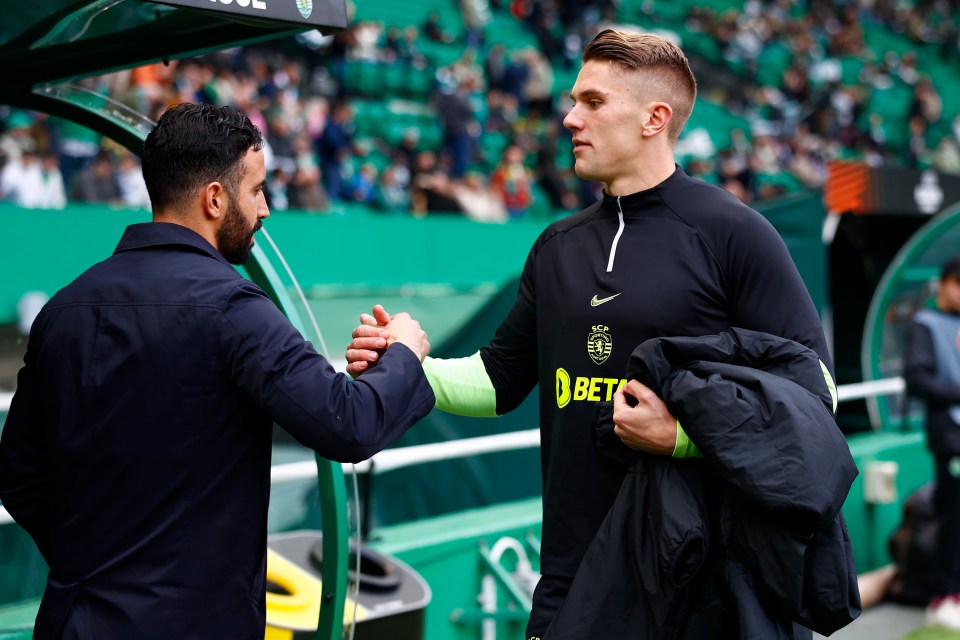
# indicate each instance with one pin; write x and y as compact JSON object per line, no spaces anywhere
{"x":786,"y":87}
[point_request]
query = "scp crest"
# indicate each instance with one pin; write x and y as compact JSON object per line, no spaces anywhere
{"x":599,"y":343}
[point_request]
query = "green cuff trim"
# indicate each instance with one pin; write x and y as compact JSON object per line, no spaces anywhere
{"x":462,"y":386}
{"x":831,"y":385}
{"x":685,"y":447}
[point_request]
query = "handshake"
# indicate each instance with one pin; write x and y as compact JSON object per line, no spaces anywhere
{"x":377,"y":332}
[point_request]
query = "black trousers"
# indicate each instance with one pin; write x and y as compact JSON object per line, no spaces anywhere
{"x":946,"y":500}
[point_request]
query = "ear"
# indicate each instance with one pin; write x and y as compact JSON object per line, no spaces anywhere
{"x":656,"y":118}
{"x":214,"y":200}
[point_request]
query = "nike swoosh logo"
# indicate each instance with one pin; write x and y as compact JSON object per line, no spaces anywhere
{"x":596,"y":302}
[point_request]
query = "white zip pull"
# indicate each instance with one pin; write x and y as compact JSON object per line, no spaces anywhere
{"x":616,"y":238}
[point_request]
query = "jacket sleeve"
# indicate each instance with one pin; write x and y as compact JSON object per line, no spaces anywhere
{"x":511,"y":357}
{"x":25,"y":462}
{"x":765,"y":289}
{"x":341,"y":419}
{"x":920,"y":369}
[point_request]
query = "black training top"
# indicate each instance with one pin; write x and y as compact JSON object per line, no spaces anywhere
{"x":684,"y":258}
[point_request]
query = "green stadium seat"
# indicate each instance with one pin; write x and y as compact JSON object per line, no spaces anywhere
{"x":772,"y":62}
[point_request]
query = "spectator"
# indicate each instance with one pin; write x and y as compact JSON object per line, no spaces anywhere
{"x":33,"y":181}
{"x":495,"y":67}
{"x":18,"y":136}
{"x":477,"y":200}
{"x":431,"y":189}
{"x":515,"y":76}
{"x":363,"y":184}
{"x":97,"y":183}
{"x":916,"y":141}
{"x":946,"y":157}
{"x":556,"y":182}
{"x":512,"y":180}
{"x":391,"y":194}
{"x":459,"y":127}
{"x":305,"y":187}
{"x":408,"y":150}
{"x":410,"y":49}
{"x":334,"y":148}
{"x":538,"y":84}
{"x":432,"y":30}
{"x":277,"y":192}
{"x":476,"y":16}
{"x":133,"y":190}
{"x":926,"y":101}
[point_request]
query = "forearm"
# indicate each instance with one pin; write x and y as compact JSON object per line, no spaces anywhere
{"x":462,"y":386}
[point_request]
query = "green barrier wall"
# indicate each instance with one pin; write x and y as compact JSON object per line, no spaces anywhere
{"x":870,"y":525}
{"x":44,"y":250}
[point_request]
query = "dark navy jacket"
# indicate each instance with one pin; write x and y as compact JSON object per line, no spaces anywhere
{"x":748,"y":542}
{"x":137,"y":448}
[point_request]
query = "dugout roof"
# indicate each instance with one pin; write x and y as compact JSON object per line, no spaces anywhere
{"x":54,"y":41}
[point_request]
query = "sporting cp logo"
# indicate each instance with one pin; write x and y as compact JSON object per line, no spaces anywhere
{"x":599,"y":343}
{"x":305,"y":7}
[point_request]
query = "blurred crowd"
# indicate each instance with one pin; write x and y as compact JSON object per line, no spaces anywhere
{"x":500,"y":151}
{"x":832,"y":97}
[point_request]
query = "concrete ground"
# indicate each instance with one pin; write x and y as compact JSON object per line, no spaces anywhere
{"x":885,"y":621}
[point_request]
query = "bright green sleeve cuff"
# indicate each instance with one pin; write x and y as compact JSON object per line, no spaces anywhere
{"x":462,"y":386}
{"x":685,"y":447}
{"x":831,"y":385}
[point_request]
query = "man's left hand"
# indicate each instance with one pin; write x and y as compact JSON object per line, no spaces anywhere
{"x":648,"y":426}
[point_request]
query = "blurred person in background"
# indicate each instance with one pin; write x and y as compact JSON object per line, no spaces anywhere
{"x":97,"y":183}
{"x":932,"y":373}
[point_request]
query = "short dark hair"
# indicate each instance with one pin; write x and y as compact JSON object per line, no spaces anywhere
{"x":665,"y":60}
{"x":193,"y":145}
{"x":950,"y":269}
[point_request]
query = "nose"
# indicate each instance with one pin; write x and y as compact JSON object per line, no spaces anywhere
{"x":571,"y":120}
{"x":263,"y":211}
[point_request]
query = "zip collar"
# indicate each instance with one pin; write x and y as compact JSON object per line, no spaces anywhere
{"x":636,"y":204}
{"x":616,"y":238}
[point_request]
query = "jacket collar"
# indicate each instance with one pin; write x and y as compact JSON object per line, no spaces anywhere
{"x":637,"y":203}
{"x":154,"y":234}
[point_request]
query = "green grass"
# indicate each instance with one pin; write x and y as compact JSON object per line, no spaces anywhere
{"x":932,"y":633}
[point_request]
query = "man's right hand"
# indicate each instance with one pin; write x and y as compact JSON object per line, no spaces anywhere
{"x":378,"y":331}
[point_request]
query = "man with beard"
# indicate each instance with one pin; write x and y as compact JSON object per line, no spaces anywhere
{"x":137,"y":448}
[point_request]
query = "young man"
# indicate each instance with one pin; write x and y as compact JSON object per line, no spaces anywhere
{"x":660,"y":255}
{"x":136,"y":451}
{"x":932,"y":372}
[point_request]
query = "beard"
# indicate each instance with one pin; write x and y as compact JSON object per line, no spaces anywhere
{"x":234,"y":237}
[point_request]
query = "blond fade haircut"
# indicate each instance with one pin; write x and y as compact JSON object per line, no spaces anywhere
{"x":664,"y":61}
